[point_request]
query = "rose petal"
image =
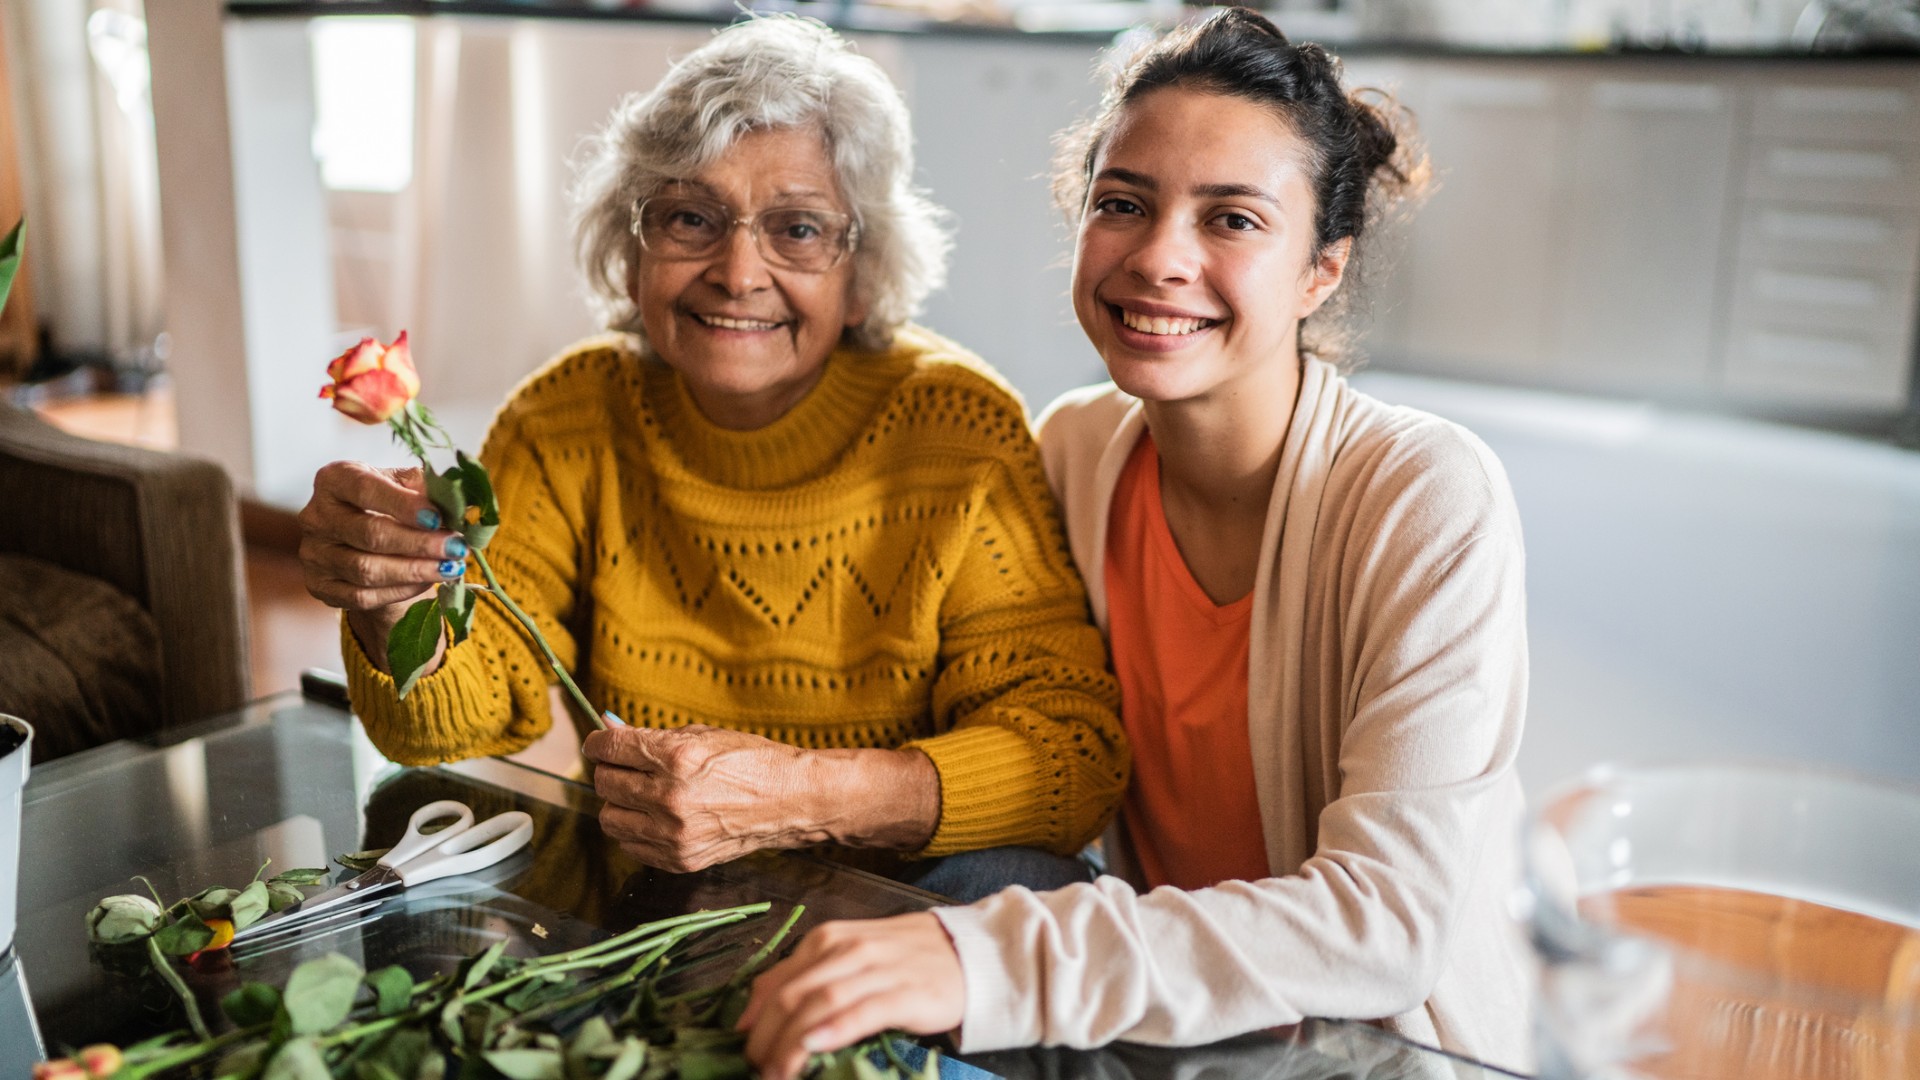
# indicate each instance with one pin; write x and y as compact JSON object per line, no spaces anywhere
{"x":371,"y":398}
{"x":362,"y":358}
{"x":399,"y":360}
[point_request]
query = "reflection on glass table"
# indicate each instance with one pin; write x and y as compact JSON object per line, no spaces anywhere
{"x":294,"y":781}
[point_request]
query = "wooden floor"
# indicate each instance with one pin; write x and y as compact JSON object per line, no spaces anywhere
{"x":290,"y":630}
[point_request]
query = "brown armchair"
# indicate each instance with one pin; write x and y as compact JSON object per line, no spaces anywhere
{"x":122,"y":596}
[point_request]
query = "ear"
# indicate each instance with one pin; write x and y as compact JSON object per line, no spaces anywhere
{"x":1324,"y":276}
{"x":857,"y":306}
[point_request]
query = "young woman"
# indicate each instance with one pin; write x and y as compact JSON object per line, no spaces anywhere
{"x":1315,"y":606}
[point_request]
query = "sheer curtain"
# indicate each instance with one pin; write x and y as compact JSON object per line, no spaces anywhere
{"x":85,"y":118}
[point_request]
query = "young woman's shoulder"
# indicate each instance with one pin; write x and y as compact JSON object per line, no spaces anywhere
{"x":1423,"y":473}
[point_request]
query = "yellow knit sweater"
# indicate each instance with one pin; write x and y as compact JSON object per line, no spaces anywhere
{"x":881,"y":567}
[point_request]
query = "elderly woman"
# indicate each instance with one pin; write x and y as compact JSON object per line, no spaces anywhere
{"x":806,"y":548}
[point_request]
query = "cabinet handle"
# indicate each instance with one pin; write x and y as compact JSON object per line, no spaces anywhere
{"x":1657,"y":97}
{"x":1795,"y":350}
{"x":1825,"y":228}
{"x":1823,"y":290}
{"x":1856,"y":100}
{"x":1832,"y":164}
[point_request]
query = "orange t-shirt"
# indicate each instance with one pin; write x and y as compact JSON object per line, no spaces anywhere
{"x":1191,"y":810}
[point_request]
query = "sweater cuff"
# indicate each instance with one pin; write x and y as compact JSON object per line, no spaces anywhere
{"x":989,"y":793}
{"x":434,"y":724}
{"x":999,"y":1010}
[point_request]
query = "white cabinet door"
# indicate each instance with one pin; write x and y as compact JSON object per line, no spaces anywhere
{"x":1646,"y":232}
{"x":1477,"y":284}
{"x":984,"y":114}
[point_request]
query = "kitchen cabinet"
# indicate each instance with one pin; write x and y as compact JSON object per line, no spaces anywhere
{"x":1731,"y":233}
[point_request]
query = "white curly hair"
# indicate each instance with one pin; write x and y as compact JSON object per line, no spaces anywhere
{"x":776,"y":71}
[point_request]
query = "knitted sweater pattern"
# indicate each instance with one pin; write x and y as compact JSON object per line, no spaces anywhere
{"x":883,"y":566}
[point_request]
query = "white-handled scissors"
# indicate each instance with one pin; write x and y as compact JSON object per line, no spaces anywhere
{"x":419,"y":857}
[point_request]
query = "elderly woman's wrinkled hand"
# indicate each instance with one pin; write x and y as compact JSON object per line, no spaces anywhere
{"x":850,"y":980}
{"x":682,"y":799}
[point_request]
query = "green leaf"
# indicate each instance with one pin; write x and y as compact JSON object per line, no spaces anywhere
{"x":306,"y":875}
{"x":536,"y":992}
{"x":479,"y":966}
{"x":527,"y":1064}
{"x":250,"y":905}
{"x":594,"y":1035}
{"x":183,"y":936}
{"x":392,"y":989}
{"x":445,"y":493}
{"x":10,"y":259}
{"x":281,"y":896}
{"x":320,"y":993}
{"x":212,"y":903}
{"x":713,"y":1065}
{"x":243,"y":1060}
{"x":298,"y":1060}
{"x":361,"y":860}
{"x":628,"y":1063}
{"x":412,"y":643}
{"x":456,"y":603}
{"x":477,"y":486}
{"x":253,"y":1003}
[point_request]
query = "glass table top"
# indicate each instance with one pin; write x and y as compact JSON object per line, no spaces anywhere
{"x":295,"y":781}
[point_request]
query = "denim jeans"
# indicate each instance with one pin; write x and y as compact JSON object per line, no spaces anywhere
{"x":972,"y":875}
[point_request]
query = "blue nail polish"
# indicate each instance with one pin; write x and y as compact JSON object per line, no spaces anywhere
{"x":613,"y":720}
{"x":450,"y":569}
{"x":428,"y":519}
{"x":456,"y":548}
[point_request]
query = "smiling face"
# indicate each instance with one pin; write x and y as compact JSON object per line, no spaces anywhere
{"x":1195,"y":261}
{"x":750,"y":338}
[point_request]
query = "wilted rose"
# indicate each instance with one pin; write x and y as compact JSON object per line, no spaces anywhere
{"x":371,"y":381}
{"x":118,"y":920}
{"x":59,"y":1069}
{"x":222,"y":937}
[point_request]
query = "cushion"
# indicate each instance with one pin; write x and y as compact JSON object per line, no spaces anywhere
{"x":79,"y":659}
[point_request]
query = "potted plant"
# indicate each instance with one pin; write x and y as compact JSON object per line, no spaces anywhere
{"x":16,"y":735}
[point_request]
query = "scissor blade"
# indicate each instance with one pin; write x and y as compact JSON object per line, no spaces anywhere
{"x":377,"y":880}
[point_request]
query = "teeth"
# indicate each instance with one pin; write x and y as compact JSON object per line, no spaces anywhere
{"x":721,"y":322}
{"x":1152,"y":324}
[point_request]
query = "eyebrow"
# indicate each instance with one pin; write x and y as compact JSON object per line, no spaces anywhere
{"x":1211,"y":191}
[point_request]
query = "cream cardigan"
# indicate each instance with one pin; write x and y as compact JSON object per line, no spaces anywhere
{"x":1386,"y":695}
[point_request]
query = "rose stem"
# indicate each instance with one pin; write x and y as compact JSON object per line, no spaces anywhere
{"x":164,"y":966}
{"x":494,"y":590}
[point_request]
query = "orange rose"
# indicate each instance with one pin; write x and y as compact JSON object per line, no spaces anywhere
{"x":100,"y":1059}
{"x":371,"y":381}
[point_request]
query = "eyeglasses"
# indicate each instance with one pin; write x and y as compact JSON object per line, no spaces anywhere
{"x":790,"y":237}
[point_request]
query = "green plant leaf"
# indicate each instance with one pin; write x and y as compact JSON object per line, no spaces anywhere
{"x":628,"y":1062}
{"x":479,"y":966}
{"x":10,"y":258}
{"x":281,"y":896}
{"x":320,"y":993}
{"x":298,"y":1060}
{"x":306,"y":875}
{"x":477,"y":486}
{"x":456,"y":603}
{"x":713,"y":1065}
{"x":250,"y":905}
{"x":445,"y":493}
{"x":187,"y":934}
{"x":361,"y":860}
{"x":527,"y":1064}
{"x":412,"y":643}
{"x":392,"y":989}
{"x":253,"y":1003}
{"x":243,"y":1060}
{"x":212,"y":903}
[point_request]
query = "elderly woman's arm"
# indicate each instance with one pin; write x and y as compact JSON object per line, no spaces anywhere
{"x":488,"y":695}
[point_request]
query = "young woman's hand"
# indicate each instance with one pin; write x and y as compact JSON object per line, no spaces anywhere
{"x":848,"y":981}
{"x":371,"y":544}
